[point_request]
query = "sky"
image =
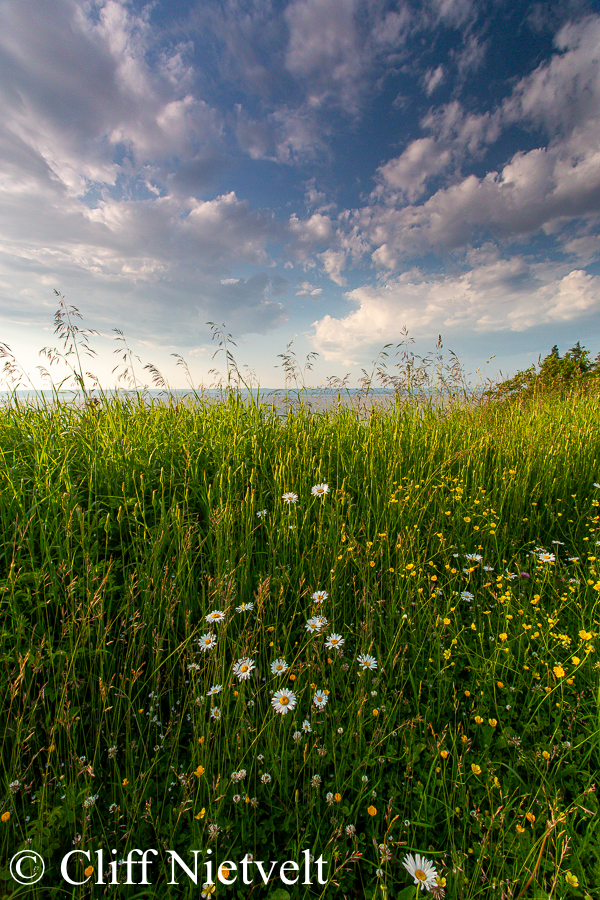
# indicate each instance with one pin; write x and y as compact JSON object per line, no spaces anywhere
{"x":312,"y":176}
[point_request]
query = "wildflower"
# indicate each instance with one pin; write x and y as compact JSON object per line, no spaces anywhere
{"x":290,"y":497}
{"x":585,"y":635}
{"x":279,"y":667}
{"x":372,"y":810}
{"x":366,"y":661}
{"x":215,"y":713}
{"x":422,"y":870}
{"x":467,"y":596}
{"x":329,"y":798}
{"x":334,"y":641}
{"x":236,"y":798}
{"x":474,"y":556}
{"x":262,"y":513}
{"x":475,"y":769}
{"x":316,"y":781}
{"x":319,"y":596}
{"x":493,"y":722}
{"x":319,"y":490}
{"x":546,"y":557}
{"x":314,"y":624}
{"x":89,"y":802}
{"x":337,"y":798}
{"x":5,"y":816}
{"x":320,"y":699}
{"x":243,"y":668}
{"x":559,"y":671}
{"x":503,"y":636}
{"x":478,"y":719}
{"x":244,"y":607}
{"x":306,"y":727}
{"x":215,"y":689}
{"x":283,"y":701}
{"x":350,"y":830}
{"x":200,"y":771}
{"x":266,"y":778}
{"x":217,"y":615}
{"x":15,"y":785}
{"x":444,"y":754}
{"x":571,"y":879}
{"x":297,"y":736}
{"x":207,"y":642}
{"x":207,"y":890}
{"x":530,"y":817}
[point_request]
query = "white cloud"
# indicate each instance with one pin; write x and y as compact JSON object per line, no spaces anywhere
{"x":497,"y":295}
{"x":433,"y":78}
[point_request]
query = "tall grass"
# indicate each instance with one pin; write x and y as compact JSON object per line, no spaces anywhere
{"x":455,"y":544}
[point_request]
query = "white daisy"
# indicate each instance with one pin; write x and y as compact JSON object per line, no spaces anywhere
{"x":207,"y":641}
{"x":215,"y":713}
{"x":215,"y":689}
{"x":242,"y":668}
{"x":245,"y":607}
{"x":366,"y":661}
{"x":279,"y":667}
{"x":474,"y":556}
{"x":306,"y":727}
{"x":217,"y":615}
{"x":467,"y":596}
{"x":290,"y":497}
{"x":334,"y":641}
{"x":319,"y":596}
{"x":322,"y":621}
{"x":319,"y":490}
{"x":314,"y":624}
{"x":320,"y":699}
{"x":283,"y":701}
{"x":261,"y":513}
{"x":422,"y":870}
{"x":547,"y":557}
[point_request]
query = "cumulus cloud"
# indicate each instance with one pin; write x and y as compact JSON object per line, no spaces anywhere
{"x":497,"y":295}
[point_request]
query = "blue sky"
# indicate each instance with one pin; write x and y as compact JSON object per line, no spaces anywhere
{"x":326,"y":172}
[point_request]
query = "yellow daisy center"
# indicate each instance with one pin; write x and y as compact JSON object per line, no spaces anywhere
{"x":420,"y":874}
{"x":284,"y":700}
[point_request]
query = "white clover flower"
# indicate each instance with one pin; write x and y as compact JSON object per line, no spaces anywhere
{"x":297,"y":736}
{"x":89,"y":802}
{"x":316,"y":781}
{"x":350,"y":830}
{"x":266,"y":778}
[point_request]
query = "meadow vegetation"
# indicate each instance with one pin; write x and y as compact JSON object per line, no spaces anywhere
{"x":361,"y":632}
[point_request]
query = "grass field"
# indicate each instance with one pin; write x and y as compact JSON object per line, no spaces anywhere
{"x":328,"y":639}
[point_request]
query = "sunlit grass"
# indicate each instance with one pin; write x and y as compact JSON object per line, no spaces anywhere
{"x":455,"y":713}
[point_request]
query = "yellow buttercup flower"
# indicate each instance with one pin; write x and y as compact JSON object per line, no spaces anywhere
{"x":372,"y":811}
{"x":559,"y":671}
{"x":200,"y":771}
{"x":201,"y":814}
{"x":475,"y":769}
{"x":5,"y":816}
{"x":571,"y":879}
{"x":88,"y":871}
